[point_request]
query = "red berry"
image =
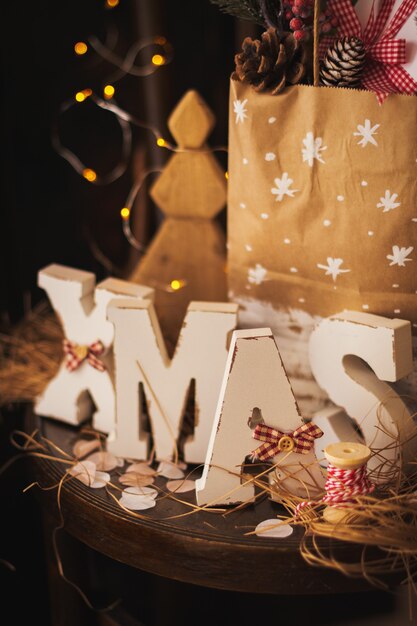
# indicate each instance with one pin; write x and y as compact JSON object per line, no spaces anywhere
{"x":296,"y":10}
{"x":289,"y":15}
{"x":334,"y":22}
{"x":299,"y":35}
{"x":296,"y":23}
{"x":326,"y":27}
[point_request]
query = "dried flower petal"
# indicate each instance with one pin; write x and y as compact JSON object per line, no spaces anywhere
{"x":101,"y":480}
{"x":142,"y":491}
{"x":132,"y":479}
{"x":181,"y":486}
{"x":85,"y":472}
{"x":137,"y":502}
{"x":170,"y":470}
{"x":273,"y":528}
{"x":141,"y":468}
{"x":82,"y":447}
{"x":105,"y":461}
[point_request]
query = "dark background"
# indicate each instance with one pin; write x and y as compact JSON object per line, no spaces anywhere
{"x":50,"y":214}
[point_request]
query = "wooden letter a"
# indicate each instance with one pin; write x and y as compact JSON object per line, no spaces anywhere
{"x":254,"y":378}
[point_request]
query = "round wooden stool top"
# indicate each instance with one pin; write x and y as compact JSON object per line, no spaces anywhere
{"x":208,"y":549}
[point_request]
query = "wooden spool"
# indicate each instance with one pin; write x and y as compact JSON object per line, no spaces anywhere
{"x":189,"y":246}
{"x":344,"y":455}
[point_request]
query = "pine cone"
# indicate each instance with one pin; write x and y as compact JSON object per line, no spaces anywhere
{"x":343,"y":64}
{"x":270,"y":63}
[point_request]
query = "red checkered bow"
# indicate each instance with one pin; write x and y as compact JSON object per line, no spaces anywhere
{"x":77,"y":354}
{"x":384,"y":72}
{"x":300,"y":441}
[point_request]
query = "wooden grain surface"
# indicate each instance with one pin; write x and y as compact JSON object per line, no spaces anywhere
{"x":190,"y":246}
{"x":208,"y":549}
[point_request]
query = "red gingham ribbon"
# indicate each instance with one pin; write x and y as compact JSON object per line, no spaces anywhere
{"x":342,"y":487}
{"x":384,"y":72}
{"x":77,"y":354}
{"x":303,"y":439}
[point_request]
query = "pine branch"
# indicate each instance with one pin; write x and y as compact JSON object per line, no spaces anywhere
{"x":244,"y":9}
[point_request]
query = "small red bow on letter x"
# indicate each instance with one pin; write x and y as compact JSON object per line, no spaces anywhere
{"x":77,"y":354}
{"x":300,"y":441}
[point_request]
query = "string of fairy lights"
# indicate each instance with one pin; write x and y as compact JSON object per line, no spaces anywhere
{"x":161,"y":56}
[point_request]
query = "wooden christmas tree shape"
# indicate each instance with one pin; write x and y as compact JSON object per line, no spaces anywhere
{"x":189,"y":246}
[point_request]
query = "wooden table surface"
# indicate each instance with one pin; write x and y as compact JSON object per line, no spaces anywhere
{"x":207,"y":549}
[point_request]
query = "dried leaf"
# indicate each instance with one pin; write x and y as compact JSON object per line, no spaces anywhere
{"x":104,"y":461}
{"x":142,"y":491}
{"x":181,"y":486}
{"x":170,"y":470}
{"x":132,"y":479}
{"x":273,"y":528}
{"x":135,"y":502}
{"x":82,"y":447}
{"x":85,"y":472}
{"x":141,"y":468}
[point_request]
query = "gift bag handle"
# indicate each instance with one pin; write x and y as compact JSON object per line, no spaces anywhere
{"x":316,"y":59}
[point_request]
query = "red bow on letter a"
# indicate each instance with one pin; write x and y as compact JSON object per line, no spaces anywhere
{"x":300,"y":440}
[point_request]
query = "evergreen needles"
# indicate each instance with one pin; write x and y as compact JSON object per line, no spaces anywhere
{"x":258,"y":11}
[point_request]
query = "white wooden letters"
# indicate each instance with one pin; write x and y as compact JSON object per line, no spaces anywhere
{"x":141,"y":357}
{"x":254,"y":377}
{"x":81,"y":307}
{"x":343,"y":349}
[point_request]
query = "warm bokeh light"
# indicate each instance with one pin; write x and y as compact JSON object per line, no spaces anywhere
{"x":176,"y":284}
{"x":80,"y":96}
{"x":161,"y":142}
{"x":112,"y":3}
{"x":80,"y":48}
{"x":158,"y":59}
{"x":226,"y":175}
{"x":125,"y":212}
{"x":108,"y":92}
{"x":89,"y":175}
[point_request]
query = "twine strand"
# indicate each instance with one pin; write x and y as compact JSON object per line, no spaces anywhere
{"x":316,"y":35}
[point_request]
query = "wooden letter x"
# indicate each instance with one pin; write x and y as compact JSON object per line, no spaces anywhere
{"x":81,"y":308}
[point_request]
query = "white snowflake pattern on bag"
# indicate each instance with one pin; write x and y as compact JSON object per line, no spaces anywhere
{"x":388,"y":202}
{"x":239,"y":108}
{"x":399,"y":255}
{"x":313,"y":148}
{"x":333,"y":268}
{"x":367,"y":132}
{"x":282,"y":188}
{"x":257,"y":274}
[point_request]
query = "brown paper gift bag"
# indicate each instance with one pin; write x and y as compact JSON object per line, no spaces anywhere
{"x":322,"y":213}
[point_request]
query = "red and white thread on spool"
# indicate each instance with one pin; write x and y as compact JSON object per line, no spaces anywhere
{"x":346,"y":480}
